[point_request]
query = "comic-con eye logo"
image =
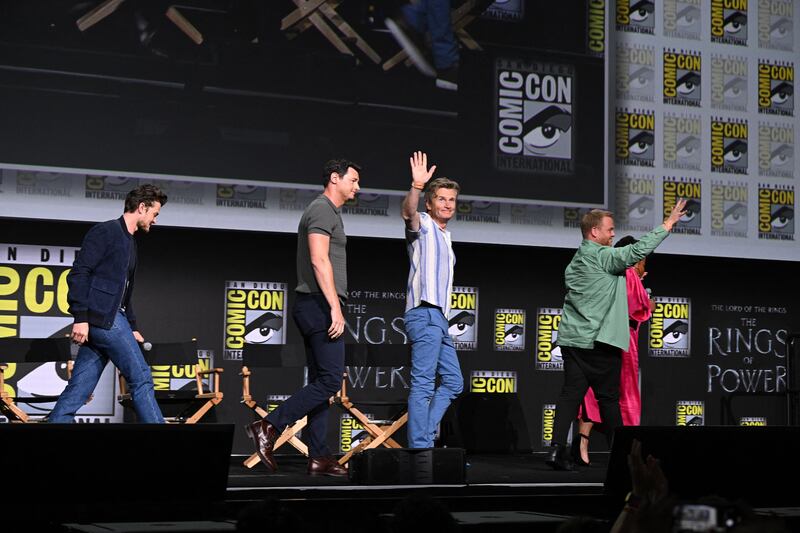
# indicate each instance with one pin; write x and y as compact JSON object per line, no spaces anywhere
{"x":478,"y":211}
{"x":776,"y":150}
{"x":682,"y":19}
{"x":255,"y":313}
{"x":729,"y":83}
{"x":729,"y":22}
{"x":635,"y":72}
{"x":596,"y":27}
{"x":682,"y":141}
{"x":753,"y":421}
{"x":248,"y":196}
{"x":636,"y":16}
{"x":351,"y":432}
{"x":670,"y":327}
{"x":548,"y":421}
{"x":505,"y":10}
{"x":548,"y":355}
{"x":689,"y":189}
{"x":635,"y":138}
{"x":509,"y":330}
{"x":690,"y":413}
{"x":776,"y":212}
{"x":463,"y":318}
{"x":367,"y":204}
{"x":493,"y":381}
{"x":682,"y":77}
{"x":534,"y":121}
{"x":775,"y":88}
{"x":636,"y":198}
{"x":729,"y":145}
{"x":109,"y":187}
{"x":573,"y":216}
{"x":728,"y":209}
{"x":183,"y":377}
{"x":44,"y":183}
{"x":776,"y":24}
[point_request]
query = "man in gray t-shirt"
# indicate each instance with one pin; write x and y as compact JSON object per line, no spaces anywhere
{"x":320,"y":293}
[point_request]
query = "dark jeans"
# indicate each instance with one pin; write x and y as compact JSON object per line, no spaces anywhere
{"x":325,"y":358}
{"x":598,"y":368}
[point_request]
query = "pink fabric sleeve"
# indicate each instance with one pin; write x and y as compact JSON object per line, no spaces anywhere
{"x":638,"y":299}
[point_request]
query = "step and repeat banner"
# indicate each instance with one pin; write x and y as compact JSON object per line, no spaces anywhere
{"x":715,"y":351}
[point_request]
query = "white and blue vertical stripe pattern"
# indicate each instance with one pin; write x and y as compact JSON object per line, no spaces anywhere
{"x":430,"y":278}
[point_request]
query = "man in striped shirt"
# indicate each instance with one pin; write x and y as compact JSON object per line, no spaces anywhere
{"x":430,"y":283}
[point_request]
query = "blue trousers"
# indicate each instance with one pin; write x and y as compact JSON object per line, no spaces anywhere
{"x":118,"y":345}
{"x":433,"y":16}
{"x":432,"y":353}
{"x":325,"y":358}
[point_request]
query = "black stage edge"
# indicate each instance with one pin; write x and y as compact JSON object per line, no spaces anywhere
{"x":57,"y":475}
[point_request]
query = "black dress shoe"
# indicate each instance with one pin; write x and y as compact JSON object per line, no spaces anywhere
{"x":576,"y":450}
{"x":264,"y":436}
{"x":558,"y":458}
{"x":325,"y":466}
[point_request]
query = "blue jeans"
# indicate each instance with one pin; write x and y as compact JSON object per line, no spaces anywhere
{"x":118,"y":345}
{"x":432,"y":353}
{"x":433,"y":16}
{"x":325,"y":358}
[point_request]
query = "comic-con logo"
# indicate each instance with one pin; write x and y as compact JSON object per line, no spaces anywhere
{"x":776,"y":212}
{"x":729,"y":145}
{"x":691,"y":190}
{"x":682,"y":19}
{"x":478,"y":211}
{"x":690,"y":413}
{"x":682,"y":140}
{"x":636,"y":16}
{"x":181,"y":191}
{"x":636,"y":198}
{"x":776,"y":87}
{"x":776,"y":24}
{"x":728,"y":209}
{"x":635,"y":72}
{"x":548,"y":422}
{"x":670,"y":327}
{"x":255,"y":313}
{"x":463,"y":318}
{"x":351,"y":432}
{"x":493,"y":381}
{"x":729,"y":22}
{"x":573,"y":216}
{"x":635,"y":137}
{"x":184,"y":377}
{"x":247,"y":196}
{"x":507,"y":11}
{"x":729,"y":83}
{"x":534,"y":120}
{"x":682,"y":78}
{"x":548,"y":355}
{"x":776,"y":150}
{"x":38,"y":183}
{"x":295,"y":199}
{"x":275,"y":400}
{"x":596,"y":27}
{"x":109,"y":187}
{"x":753,"y":421}
{"x":367,"y":204}
{"x":509,"y":330}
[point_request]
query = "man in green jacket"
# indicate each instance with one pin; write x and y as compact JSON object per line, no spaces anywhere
{"x":594,"y":325}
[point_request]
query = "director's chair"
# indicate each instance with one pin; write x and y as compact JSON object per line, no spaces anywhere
{"x":184,"y":388}
{"x":259,"y":358}
{"x":461,"y":17}
{"x":322,"y":15}
{"x":14,"y":351}
{"x":379,"y":432}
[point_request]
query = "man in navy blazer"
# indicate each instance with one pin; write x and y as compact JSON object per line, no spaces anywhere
{"x":100,"y":287}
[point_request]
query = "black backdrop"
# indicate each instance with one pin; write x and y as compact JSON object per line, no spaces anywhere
{"x":180,"y":294}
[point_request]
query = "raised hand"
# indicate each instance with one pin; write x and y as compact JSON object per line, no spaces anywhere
{"x":420,"y":173}
{"x":677,"y":212}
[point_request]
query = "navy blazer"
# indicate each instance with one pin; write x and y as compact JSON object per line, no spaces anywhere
{"x":97,"y":279}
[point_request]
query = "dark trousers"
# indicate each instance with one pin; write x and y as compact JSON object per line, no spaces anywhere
{"x":598,"y":368}
{"x":325,"y":358}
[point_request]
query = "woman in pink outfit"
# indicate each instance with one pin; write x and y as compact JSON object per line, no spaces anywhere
{"x":640,"y":308}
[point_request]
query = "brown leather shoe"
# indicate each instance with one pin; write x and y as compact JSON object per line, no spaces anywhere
{"x":264,"y":436}
{"x":325,"y":466}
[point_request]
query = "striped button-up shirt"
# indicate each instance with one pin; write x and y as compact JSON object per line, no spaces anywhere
{"x":430,"y":278}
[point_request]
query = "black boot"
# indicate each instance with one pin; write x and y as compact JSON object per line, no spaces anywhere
{"x":559,"y":458}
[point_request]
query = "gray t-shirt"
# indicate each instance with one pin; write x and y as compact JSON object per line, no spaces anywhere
{"x":322,"y":217}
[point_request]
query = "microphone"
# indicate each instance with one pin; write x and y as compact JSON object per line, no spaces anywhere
{"x":147,"y":346}
{"x":648,"y":289}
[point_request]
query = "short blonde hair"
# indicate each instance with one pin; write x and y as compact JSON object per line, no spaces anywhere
{"x":592,"y":219}
{"x":439,"y":183}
